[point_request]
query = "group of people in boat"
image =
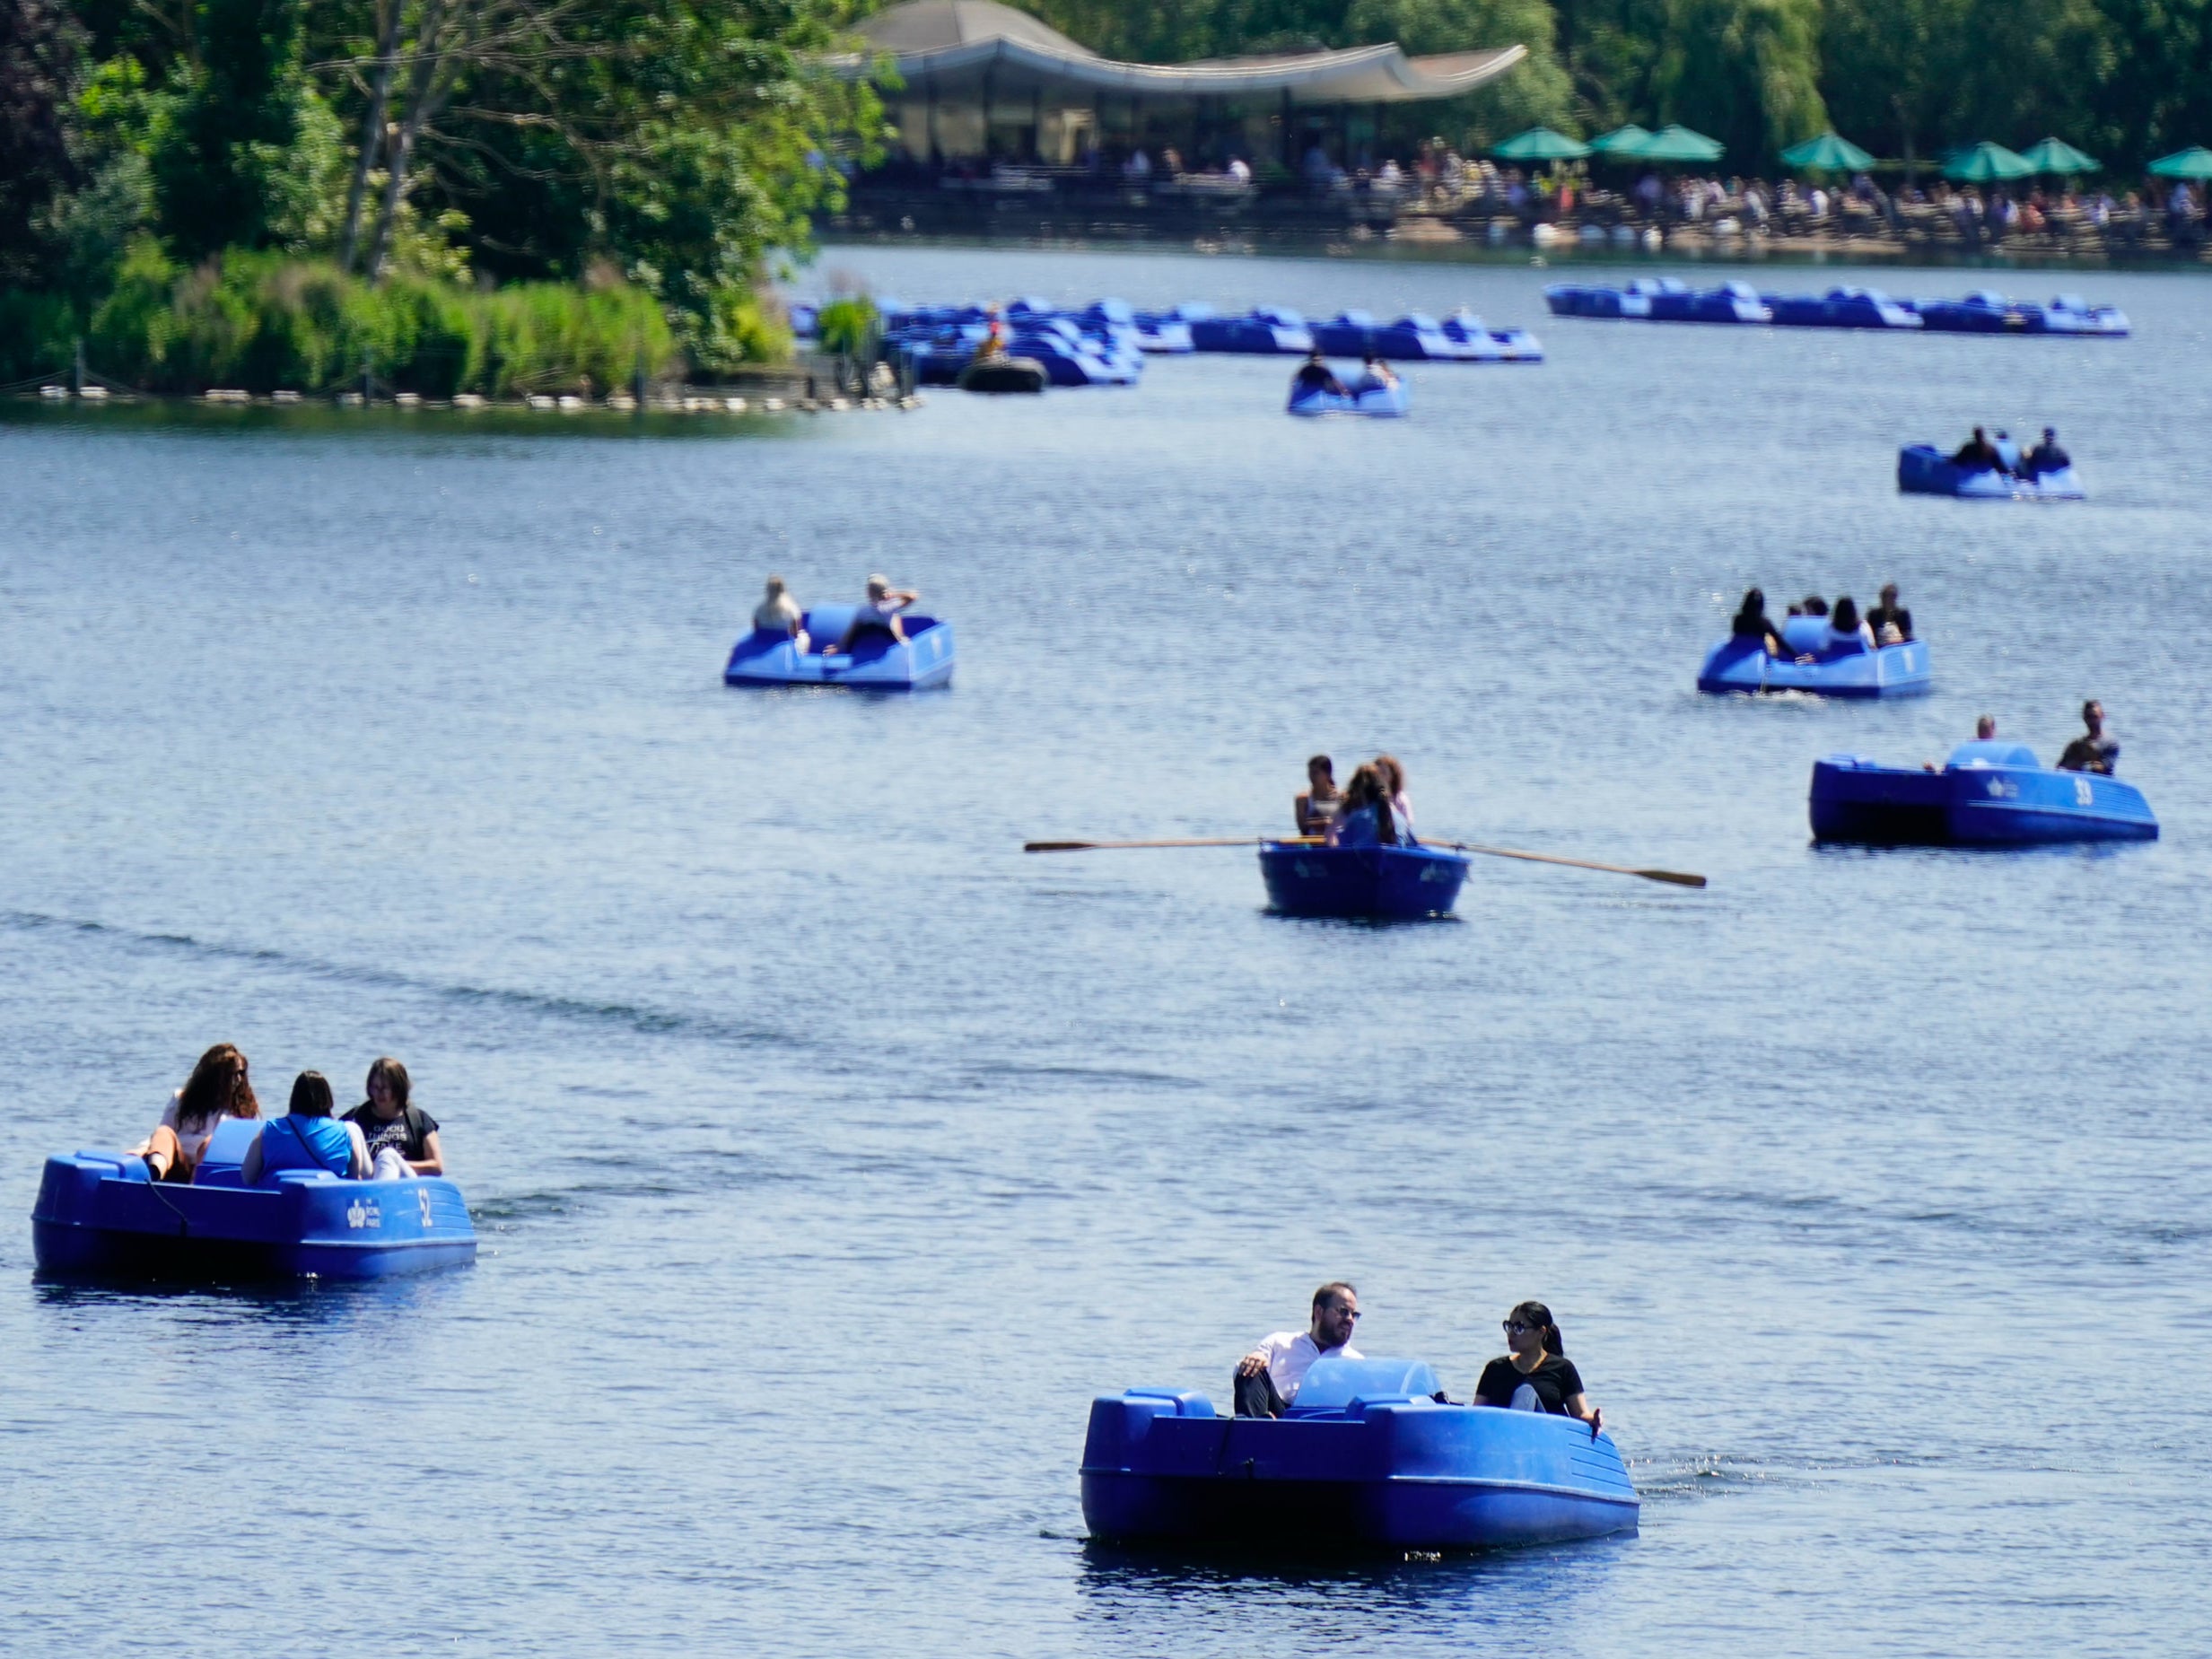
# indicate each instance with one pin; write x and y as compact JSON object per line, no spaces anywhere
{"x":882,"y":609}
{"x":1983,"y":453}
{"x":1369,"y":811}
{"x":386,"y":1137}
{"x":2095,"y":750}
{"x":1314,"y":375}
{"x":1887,"y":623}
{"x":1532,"y":1374}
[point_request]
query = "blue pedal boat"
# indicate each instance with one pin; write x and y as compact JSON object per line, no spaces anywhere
{"x":99,"y":1215}
{"x":1366,"y":397}
{"x":1922,"y":469}
{"x":877,"y":661}
{"x":1843,"y":307}
{"x":1383,"y":883}
{"x":1836,"y":670}
{"x":1266,"y":331}
{"x":1366,"y":1459}
{"x":1991,"y":793}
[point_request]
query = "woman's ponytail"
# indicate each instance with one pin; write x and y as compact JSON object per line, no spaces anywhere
{"x":1538,"y":1317}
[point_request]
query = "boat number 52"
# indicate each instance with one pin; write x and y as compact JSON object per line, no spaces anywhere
{"x":422,"y":1197}
{"x":2083,"y":793}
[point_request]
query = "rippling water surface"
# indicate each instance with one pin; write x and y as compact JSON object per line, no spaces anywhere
{"x":829,"y":1154}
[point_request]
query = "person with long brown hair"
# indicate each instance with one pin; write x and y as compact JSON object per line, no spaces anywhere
{"x":219,"y":1087}
{"x":1363,"y":818}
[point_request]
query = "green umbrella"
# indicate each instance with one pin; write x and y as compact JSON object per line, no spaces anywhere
{"x":1828,"y":153}
{"x":1986,"y":163}
{"x":1678,"y":143}
{"x":2055,"y":155}
{"x":1621,"y":141}
{"x":2194,"y":162}
{"x":1541,"y":144}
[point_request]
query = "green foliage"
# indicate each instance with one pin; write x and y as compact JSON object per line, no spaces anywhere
{"x":1536,"y":92}
{"x":843,"y":325}
{"x":220,"y":135}
{"x":264,"y":320}
{"x":38,"y":332}
{"x":1745,"y":72}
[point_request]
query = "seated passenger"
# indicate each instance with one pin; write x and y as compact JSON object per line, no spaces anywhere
{"x":779,"y":613}
{"x":2092,"y":751}
{"x":2047,"y":455}
{"x":1534,"y":1374}
{"x":2007,"y":451}
{"x":401,"y":1137}
{"x":1976,"y":454}
{"x":1317,"y":805}
{"x":1888,"y":618}
{"x":218,"y":1088}
{"x":1267,"y":1379}
{"x":1314,"y":375}
{"x":1985,"y":728}
{"x":306,"y":1137}
{"x":1363,"y":816}
{"x":880,"y":610}
{"x":1392,"y":774}
{"x":1811,"y":605}
{"x":1375,"y":373}
{"x":1751,"y":622}
{"x":1845,"y":626}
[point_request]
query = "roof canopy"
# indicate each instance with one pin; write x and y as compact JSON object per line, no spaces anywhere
{"x":951,"y":44}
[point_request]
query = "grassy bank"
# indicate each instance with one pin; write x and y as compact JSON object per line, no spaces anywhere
{"x":265,"y":322}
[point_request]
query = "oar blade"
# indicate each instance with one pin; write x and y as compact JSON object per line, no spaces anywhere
{"x":1680,"y":878}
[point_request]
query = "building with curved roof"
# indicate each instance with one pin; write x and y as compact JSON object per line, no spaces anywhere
{"x":983,"y":81}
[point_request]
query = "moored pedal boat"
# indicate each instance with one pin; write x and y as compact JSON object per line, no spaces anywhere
{"x":1366,"y":1459}
{"x":1922,"y":469}
{"x":877,"y":661}
{"x":1386,"y":883}
{"x":1991,"y":793}
{"x":1837,"y":669}
{"x":99,"y":1215}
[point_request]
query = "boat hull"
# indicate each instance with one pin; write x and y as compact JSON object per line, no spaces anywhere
{"x":1889,"y":671}
{"x":877,"y":662}
{"x":1383,"y":1475}
{"x":1377,"y":402}
{"x":1924,"y":470}
{"x":1385,"y":883}
{"x":1859,"y":801}
{"x":99,"y":1217}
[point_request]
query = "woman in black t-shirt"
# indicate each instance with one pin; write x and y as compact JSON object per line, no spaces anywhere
{"x":392,"y":1123}
{"x":1535,"y":1374}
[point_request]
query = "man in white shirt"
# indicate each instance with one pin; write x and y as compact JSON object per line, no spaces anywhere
{"x":1268,"y":1377}
{"x":779,"y":613}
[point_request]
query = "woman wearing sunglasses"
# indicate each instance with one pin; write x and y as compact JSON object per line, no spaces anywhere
{"x":1534,"y":1375}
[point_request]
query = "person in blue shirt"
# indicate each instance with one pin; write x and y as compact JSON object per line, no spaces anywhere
{"x":306,"y":1137}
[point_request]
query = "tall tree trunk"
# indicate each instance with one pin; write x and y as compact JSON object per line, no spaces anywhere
{"x":429,"y":58}
{"x":372,"y":128}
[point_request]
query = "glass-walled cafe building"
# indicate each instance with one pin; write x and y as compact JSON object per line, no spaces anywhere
{"x":983,"y":83}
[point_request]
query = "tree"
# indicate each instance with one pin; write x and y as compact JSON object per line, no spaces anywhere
{"x":1536,"y":92}
{"x":219,"y":145}
{"x":41,"y":63}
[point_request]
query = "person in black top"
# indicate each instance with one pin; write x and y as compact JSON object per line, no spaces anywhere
{"x":2092,"y":751}
{"x":1888,"y":614}
{"x":1977,"y":454}
{"x":2046,"y":455}
{"x":1314,"y":375}
{"x":402,"y":1138}
{"x":1751,"y":622}
{"x":1535,"y":1374}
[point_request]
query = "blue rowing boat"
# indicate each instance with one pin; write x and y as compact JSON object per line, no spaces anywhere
{"x":877,"y":661}
{"x":1383,"y":883}
{"x":1991,"y":793}
{"x":1366,"y":1459}
{"x":1838,"y":669}
{"x":1922,"y":469}
{"x":101,"y":1216}
{"x":1363,"y":397}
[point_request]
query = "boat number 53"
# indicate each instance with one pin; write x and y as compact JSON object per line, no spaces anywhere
{"x":2083,"y":793}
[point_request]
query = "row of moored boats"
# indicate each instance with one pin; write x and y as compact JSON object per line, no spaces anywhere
{"x":1668,"y":300}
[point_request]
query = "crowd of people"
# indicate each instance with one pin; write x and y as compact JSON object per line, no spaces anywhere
{"x":386,"y":1137}
{"x":1370,"y":810}
{"x":1983,"y":453}
{"x":1532,"y":1374}
{"x":882,"y":609}
{"x":1889,"y":623}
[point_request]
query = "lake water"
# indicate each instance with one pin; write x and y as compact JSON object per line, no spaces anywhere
{"x":829,"y":1155}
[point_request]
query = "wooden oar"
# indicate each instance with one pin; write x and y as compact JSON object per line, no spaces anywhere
{"x":1680,"y":878}
{"x":1110,"y":846}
